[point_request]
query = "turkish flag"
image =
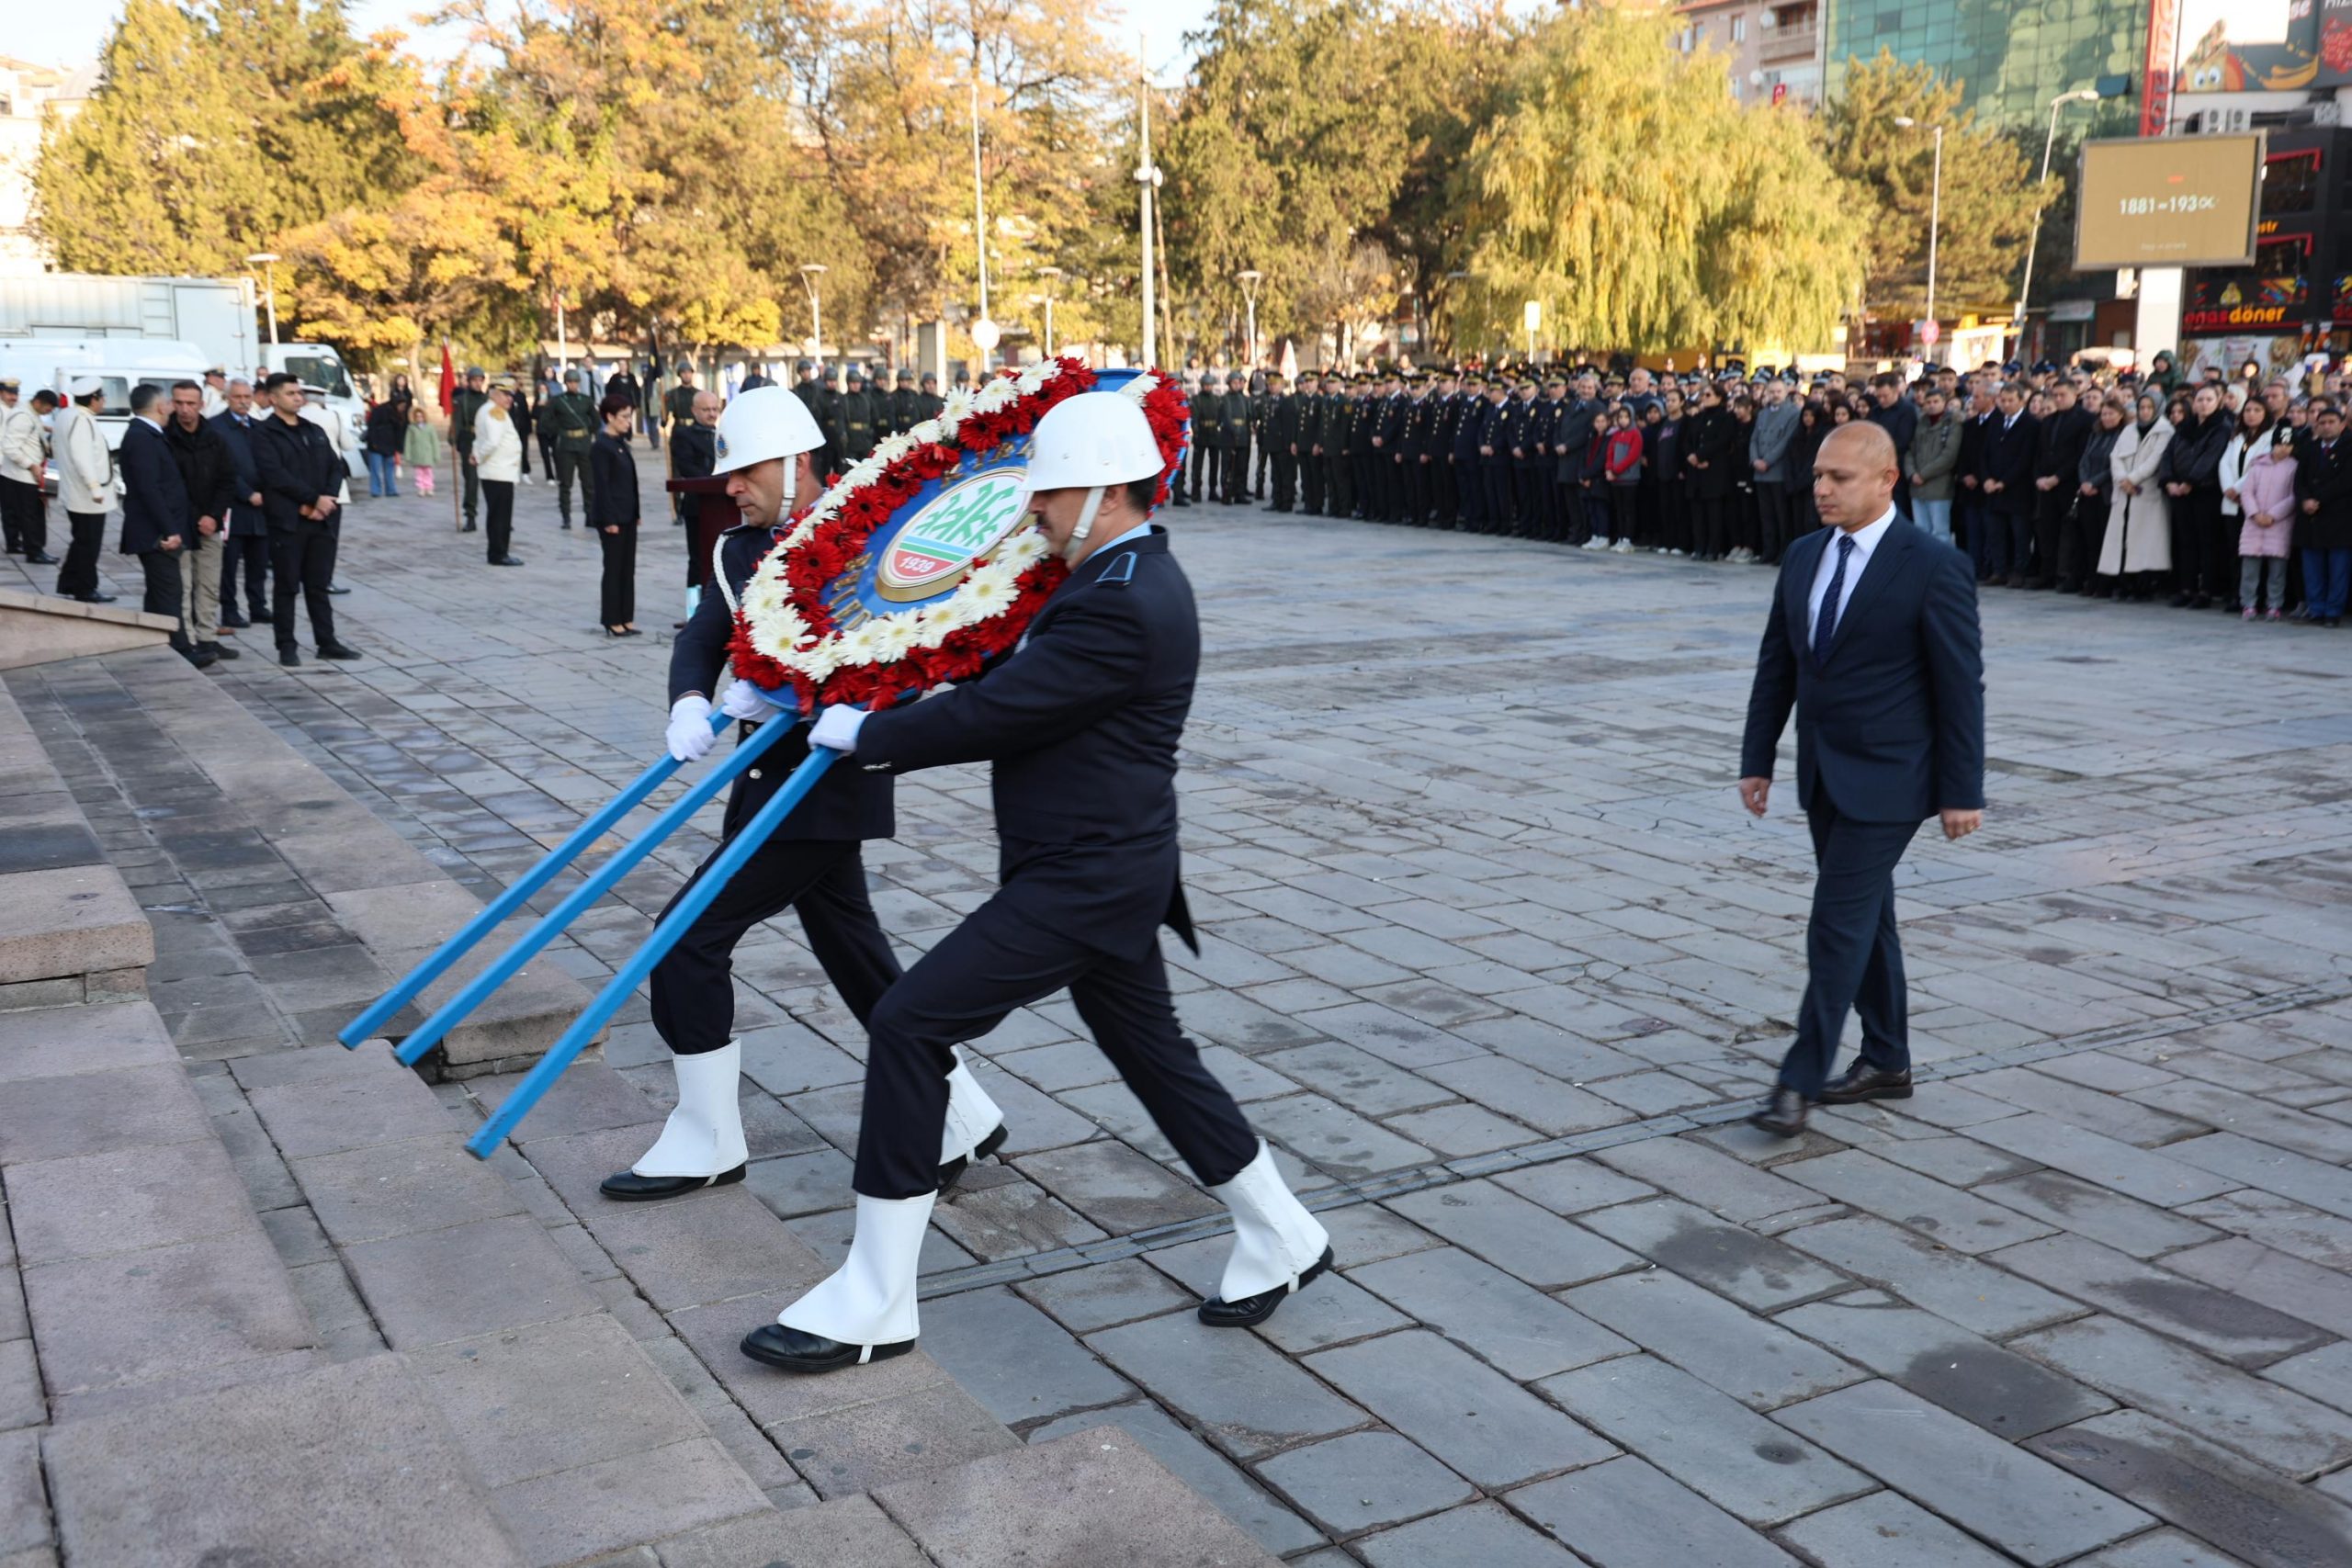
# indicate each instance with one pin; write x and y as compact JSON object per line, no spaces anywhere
{"x":448,"y":381}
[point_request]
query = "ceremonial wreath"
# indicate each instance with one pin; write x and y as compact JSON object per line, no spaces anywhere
{"x":838,"y":615}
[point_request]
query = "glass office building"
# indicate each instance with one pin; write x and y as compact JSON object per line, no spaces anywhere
{"x":2011,"y":57}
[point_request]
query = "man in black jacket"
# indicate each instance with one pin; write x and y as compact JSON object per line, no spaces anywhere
{"x":1873,"y":640}
{"x":244,"y":552}
{"x":1711,"y":454}
{"x":812,"y":862}
{"x":1570,"y":439}
{"x":156,"y":521}
{"x":1082,"y":724}
{"x":2058,"y":453}
{"x":2005,"y":482}
{"x":301,"y":475}
{"x":1279,"y":437}
{"x":210,"y":476}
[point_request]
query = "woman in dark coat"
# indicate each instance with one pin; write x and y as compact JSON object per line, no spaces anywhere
{"x":383,"y":436}
{"x":1812,"y":429}
{"x":613,"y":512}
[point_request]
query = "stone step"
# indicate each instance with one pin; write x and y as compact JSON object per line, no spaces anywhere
{"x":241,"y":816}
{"x":70,"y":929}
{"x":43,"y":628}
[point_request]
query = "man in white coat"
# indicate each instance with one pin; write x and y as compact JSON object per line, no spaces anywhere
{"x":86,"y":484}
{"x":498,"y":459}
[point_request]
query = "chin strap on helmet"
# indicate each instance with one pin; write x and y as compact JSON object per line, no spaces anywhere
{"x":1077,"y":540}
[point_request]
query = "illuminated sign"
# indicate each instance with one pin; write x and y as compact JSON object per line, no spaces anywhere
{"x":2168,"y":201}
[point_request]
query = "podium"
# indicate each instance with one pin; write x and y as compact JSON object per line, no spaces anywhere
{"x":708,"y":514}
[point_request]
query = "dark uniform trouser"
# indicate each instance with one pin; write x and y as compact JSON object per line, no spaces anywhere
{"x":472,"y":485}
{"x":1266,"y":452}
{"x":80,"y":572}
{"x":1285,"y":482}
{"x":1311,"y":475}
{"x":500,"y":536}
{"x":1853,"y":958}
{"x":1343,"y":490}
{"x":568,"y":461}
{"x":27,"y":519}
{"x":1000,"y":959}
{"x":1499,"y":506}
{"x":1236,"y":474}
{"x":302,"y":562}
{"x":824,"y":880}
{"x":1203,"y":464}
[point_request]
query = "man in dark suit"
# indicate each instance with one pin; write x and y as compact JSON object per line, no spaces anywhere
{"x":1872,"y":639}
{"x":245,"y":556}
{"x":2005,"y":480}
{"x":156,"y":519}
{"x":766,"y":443}
{"x":301,"y":475}
{"x":1082,"y":723}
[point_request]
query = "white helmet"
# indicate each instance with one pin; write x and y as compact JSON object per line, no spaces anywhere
{"x":1093,"y":439}
{"x":766,"y":422}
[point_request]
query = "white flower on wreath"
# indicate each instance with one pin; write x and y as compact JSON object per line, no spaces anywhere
{"x":954,"y":407}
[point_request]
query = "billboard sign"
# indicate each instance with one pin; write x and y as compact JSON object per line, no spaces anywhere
{"x":2168,"y":201}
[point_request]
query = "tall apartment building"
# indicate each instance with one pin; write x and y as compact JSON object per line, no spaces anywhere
{"x":26,"y":93}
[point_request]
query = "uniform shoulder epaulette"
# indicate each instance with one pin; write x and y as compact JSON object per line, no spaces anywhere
{"x":1119,"y":572}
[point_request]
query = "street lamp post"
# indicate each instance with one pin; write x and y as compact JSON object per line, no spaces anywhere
{"x":1247,"y":277}
{"x":984,"y":335}
{"x":1935,"y":209}
{"x":268,"y":259}
{"x":1148,"y":181}
{"x":2025,"y":285}
{"x":1053,"y":276}
{"x":810,"y":275}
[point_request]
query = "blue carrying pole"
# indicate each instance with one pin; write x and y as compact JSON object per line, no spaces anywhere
{"x":683,"y":913}
{"x":551,"y":925}
{"x":368,"y":1024}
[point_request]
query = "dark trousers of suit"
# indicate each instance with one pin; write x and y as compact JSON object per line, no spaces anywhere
{"x":1853,"y":959}
{"x":824,"y":880}
{"x":1285,"y":482}
{"x":2008,"y":540}
{"x":617,"y":592}
{"x":80,"y":573}
{"x":1000,"y":959}
{"x":245,"y":557}
{"x":1501,"y":507}
{"x":302,"y":562}
{"x":1341,"y":494}
{"x":164,"y":594}
{"x":498,"y":495}
{"x":472,"y":486}
{"x":1711,"y":519}
{"x":2051,"y":509}
{"x":1310,"y":472}
{"x":2199,"y":564}
{"x":23,"y":516}
{"x":1774,"y":527}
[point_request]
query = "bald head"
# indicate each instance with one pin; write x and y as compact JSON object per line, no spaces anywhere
{"x":1854,"y":475}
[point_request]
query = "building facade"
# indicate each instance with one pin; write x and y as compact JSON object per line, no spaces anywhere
{"x":1771,"y":47}
{"x":2010,"y":57}
{"x":29,"y":93}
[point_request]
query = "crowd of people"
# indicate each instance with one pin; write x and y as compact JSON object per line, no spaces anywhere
{"x":2118,"y":486}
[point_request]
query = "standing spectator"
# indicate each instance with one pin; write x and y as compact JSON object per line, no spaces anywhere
{"x":245,"y":550}
{"x":524,"y":416}
{"x":85,"y":487}
{"x":208,"y":473}
{"x":2258,"y":481}
{"x":1768,"y":459}
{"x":611,"y":507}
{"x":624,"y":381}
{"x":420,"y":445}
{"x":1932,"y":463}
{"x":693,"y":455}
{"x":2005,"y":479}
{"x":2058,"y":456}
{"x":2094,"y":483}
{"x":22,"y":508}
{"x":386,"y":433}
{"x":544,"y":428}
{"x":498,"y":456}
{"x":1664,"y":453}
{"x":2138,"y":543}
{"x":1899,"y":417}
{"x":216,"y":392}
{"x":2192,"y":477}
{"x":1708,"y":452}
{"x":156,"y":519}
{"x":2324,"y":531}
{"x":302,"y":477}
{"x":465,"y":413}
{"x":1621,"y":464}
{"x":1582,"y":417}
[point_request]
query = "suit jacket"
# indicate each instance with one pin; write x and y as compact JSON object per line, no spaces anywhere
{"x":1082,"y":725}
{"x":847,"y":803}
{"x":246,"y":521}
{"x":2324,"y":474}
{"x":1892,"y":724}
{"x":155,"y":497}
{"x":2006,"y":454}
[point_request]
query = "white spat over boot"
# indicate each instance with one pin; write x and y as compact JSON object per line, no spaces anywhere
{"x":975,"y":1126}
{"x":1278,"y":1247}
{"x":865,"y":1309}
{"x":702,"y":1144}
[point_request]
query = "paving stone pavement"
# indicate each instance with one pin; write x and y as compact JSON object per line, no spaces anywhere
{"x":1494,"y":959}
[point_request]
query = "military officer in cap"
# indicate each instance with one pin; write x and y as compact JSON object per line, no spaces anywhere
{"x":1279,"y":436}
{"x":906,"y":405}
{"x":1267,"y":388}
{"x":813,"y":863}
{"x":678,"y":403}
{"x":1498,"y":432}
{"x":22,"y":454}
{"x":1338,"y":436}
{"x":572,"y":419}
{"x":1240,"y":413}
{"x":465,"y":407}
{"x":857,"y":418}
{"x":1208,"y":434}
{"x":928,"y":402}
{"x":1082,"y":725}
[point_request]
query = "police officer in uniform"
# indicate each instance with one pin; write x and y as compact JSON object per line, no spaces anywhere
{"x":1340,"y":407}
{"x":857,"y":419}
{"x":465,"y":407}
{"x":1267,"y":388}
{"x":1082,"y":725}
{"x":812,"y":862}
{"x":572,"y":420}
{"x":1279,"y":437}
{"x":1498,"y":432}
{"x":1446,"y":417}
{"x":1240,"y":414}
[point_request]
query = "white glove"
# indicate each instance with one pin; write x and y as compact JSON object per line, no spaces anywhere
{"x":689,"y":736}
{"x":745,"y":701}
{"x":837,"y":728}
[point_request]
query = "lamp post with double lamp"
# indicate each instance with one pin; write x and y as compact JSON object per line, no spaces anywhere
{"x":1052,"y":276}
{"x":268,"y":259}
{"x":1247,"y":277}
{"x":2025,"y":284}
{"x":1935,"y":207}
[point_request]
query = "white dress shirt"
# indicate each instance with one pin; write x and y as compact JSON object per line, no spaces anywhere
{"x":1865,"y":541}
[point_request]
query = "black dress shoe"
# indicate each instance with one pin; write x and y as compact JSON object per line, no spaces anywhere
{"x":467,"y":529}
{"x":628,"y":1187}
{"x":93,"y":598}
{"x":1781,"y":1114}
{"x":1218,"y":1313}
{"x":202,"y":658}
{"x":507,"y":561}
{"x":337,"y":590}
{"x":291,"y":657}
{"x":41,"y":558}
{"x":339,"y":650}
{"x":1862,"y":1081}
{"x":219,"y":651}
{"x":233,"y":621}
{"x":798,"y":1352}
{"x":953,"y":1171}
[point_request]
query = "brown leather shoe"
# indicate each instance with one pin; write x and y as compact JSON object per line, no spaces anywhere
{"x":1781,"y":1114}
{"x":1862,"y":1081}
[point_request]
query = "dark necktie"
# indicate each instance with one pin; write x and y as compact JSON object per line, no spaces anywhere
{"x":1825,"y":624}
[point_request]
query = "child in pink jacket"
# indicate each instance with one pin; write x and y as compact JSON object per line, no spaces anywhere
{"x":2266,"y":501}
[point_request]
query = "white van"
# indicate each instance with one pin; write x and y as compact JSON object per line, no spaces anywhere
{"x":119,"y":364}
